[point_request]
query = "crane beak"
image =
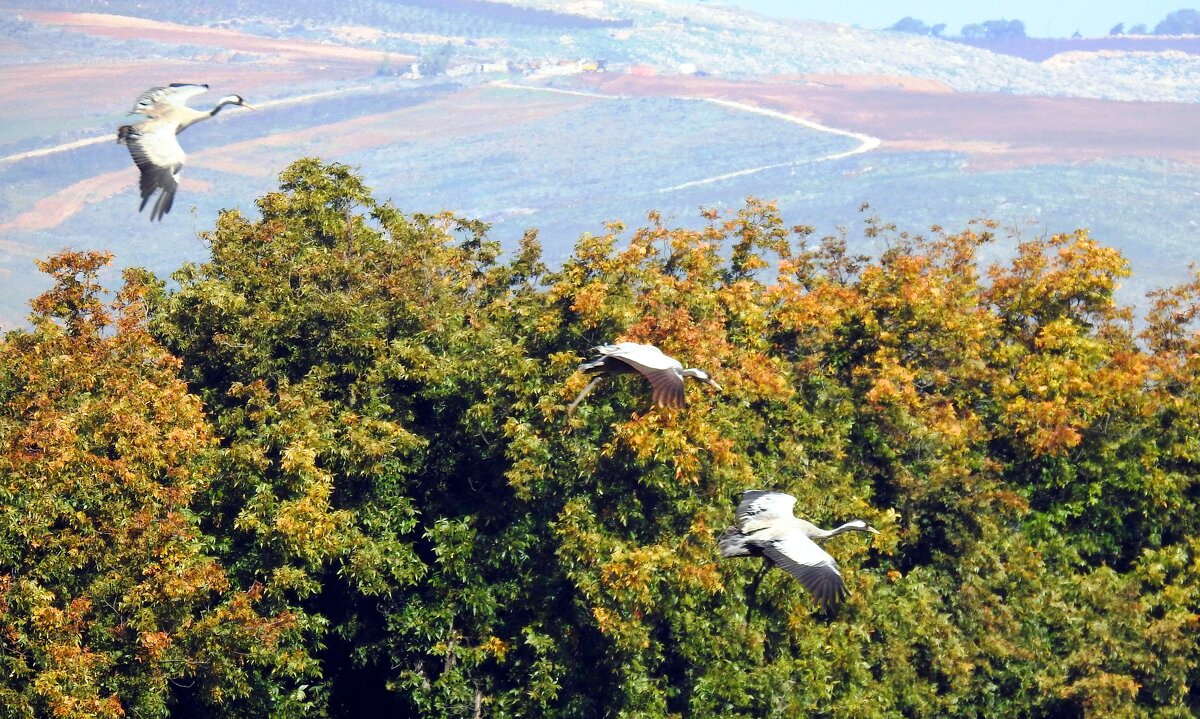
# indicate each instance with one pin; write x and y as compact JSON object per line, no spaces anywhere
{"x":713,"y":382}
{"x":248,"y":106}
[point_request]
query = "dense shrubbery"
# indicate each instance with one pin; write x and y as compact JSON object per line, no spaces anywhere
{"x":332,"y":471}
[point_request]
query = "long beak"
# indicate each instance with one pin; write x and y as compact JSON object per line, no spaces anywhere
{"x":713,"y":382}
{"x":248,"y":107}
{"x":872,"y":530}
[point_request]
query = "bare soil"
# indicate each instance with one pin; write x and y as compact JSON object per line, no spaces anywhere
{"x":993,"y":130}
{"x":130,"y":28}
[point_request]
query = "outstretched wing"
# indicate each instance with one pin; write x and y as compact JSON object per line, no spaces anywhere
{"x":177,"y":93}
{"x":647,"y":356}
{"x":157,"y":153}
{"x":800,"y":557}
{"x":761,"y":508}
{"x":662,"y":371}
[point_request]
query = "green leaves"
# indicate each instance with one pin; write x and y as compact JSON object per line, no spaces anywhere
{"x":110,"y":592}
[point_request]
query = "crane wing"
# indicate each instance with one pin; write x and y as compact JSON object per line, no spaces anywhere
{"x":157,"y":153}
{"x":643,"y":356}
{"x":666,"y":384}
{"x":800,"y":557}
{"x":177,"y":93}
{"x":760,"y":509}
{"x":662,"y":371}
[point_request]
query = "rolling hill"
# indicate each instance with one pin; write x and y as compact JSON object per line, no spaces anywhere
{"x":700,"y":106}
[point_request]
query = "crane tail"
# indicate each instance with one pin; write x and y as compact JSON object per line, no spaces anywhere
{"x":163,"y":205}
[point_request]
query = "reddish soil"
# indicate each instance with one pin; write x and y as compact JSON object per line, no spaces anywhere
{"x":55,"y":209}
{"x":995,"y":130}
{"x":130,"y":28}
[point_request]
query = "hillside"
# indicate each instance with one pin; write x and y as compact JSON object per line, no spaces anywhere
{"x":721,"y":41}
{"x":732,"y":42}
{"x":1098,"y":140}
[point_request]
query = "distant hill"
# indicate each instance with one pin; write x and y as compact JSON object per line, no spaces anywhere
{"x":721,"y":41}
{"x":395,"y":14}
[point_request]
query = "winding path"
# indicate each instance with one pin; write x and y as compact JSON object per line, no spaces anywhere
{"x":866,"y":143}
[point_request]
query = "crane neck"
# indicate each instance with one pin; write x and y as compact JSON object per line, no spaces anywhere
{"x":223,"y":103}
{"x":847,"y":527}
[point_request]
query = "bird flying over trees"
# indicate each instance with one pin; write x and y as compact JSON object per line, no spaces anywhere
{"x":665,"y":373}
{"x":767,"y":528}
{"x":152,"y":142}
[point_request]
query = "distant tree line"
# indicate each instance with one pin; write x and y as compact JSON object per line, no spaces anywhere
{"x":987,"y":30}
{"x":994,"y":30}
{"x":914,"y":26}
{"x":1179,"y":22}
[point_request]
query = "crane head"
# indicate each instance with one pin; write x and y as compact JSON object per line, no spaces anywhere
{"x":235,"y":100}
{"x":699,"y":374}
{"x":861,"y":526}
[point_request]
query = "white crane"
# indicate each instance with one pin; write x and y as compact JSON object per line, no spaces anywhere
{"x":152,"y":142}
{"x":665,"y":373}
{"x":767,"y":528}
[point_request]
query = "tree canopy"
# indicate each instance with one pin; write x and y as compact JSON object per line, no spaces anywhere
{"x":994,"y":30}
{"x":1179,"y":22}
{"x":915,"y":26}
{"x":330,"y":472}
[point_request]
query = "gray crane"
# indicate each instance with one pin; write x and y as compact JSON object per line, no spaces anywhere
{"x":767,"y":528}
{"x":665,"y":373}
{"x":152,"y":142}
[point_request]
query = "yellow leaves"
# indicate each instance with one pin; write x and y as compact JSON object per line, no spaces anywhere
{"x":495,"y":647}
{"x":630,"y":573}
{"x":1046,"y":425}
{"x":606,"y":621}
{"x":155,"y":643}
{"x":705,"y":576}
{"x":1104,"y":695}
{"x":299,"y":459}
{"x":309,"y":525}
{"x":588,"y":302}
{"x":891,"y":533}
{"x":891,"y":383}
{"x":1056,"y":277}
{"x":683,"y":439}
{"x":759,"y":375}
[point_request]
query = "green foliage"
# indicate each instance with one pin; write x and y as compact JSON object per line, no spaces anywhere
{"x":110,"y":595}
{"x":376,"y":473}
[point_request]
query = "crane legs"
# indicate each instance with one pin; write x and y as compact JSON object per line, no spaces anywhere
{"x":586,"y":390}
